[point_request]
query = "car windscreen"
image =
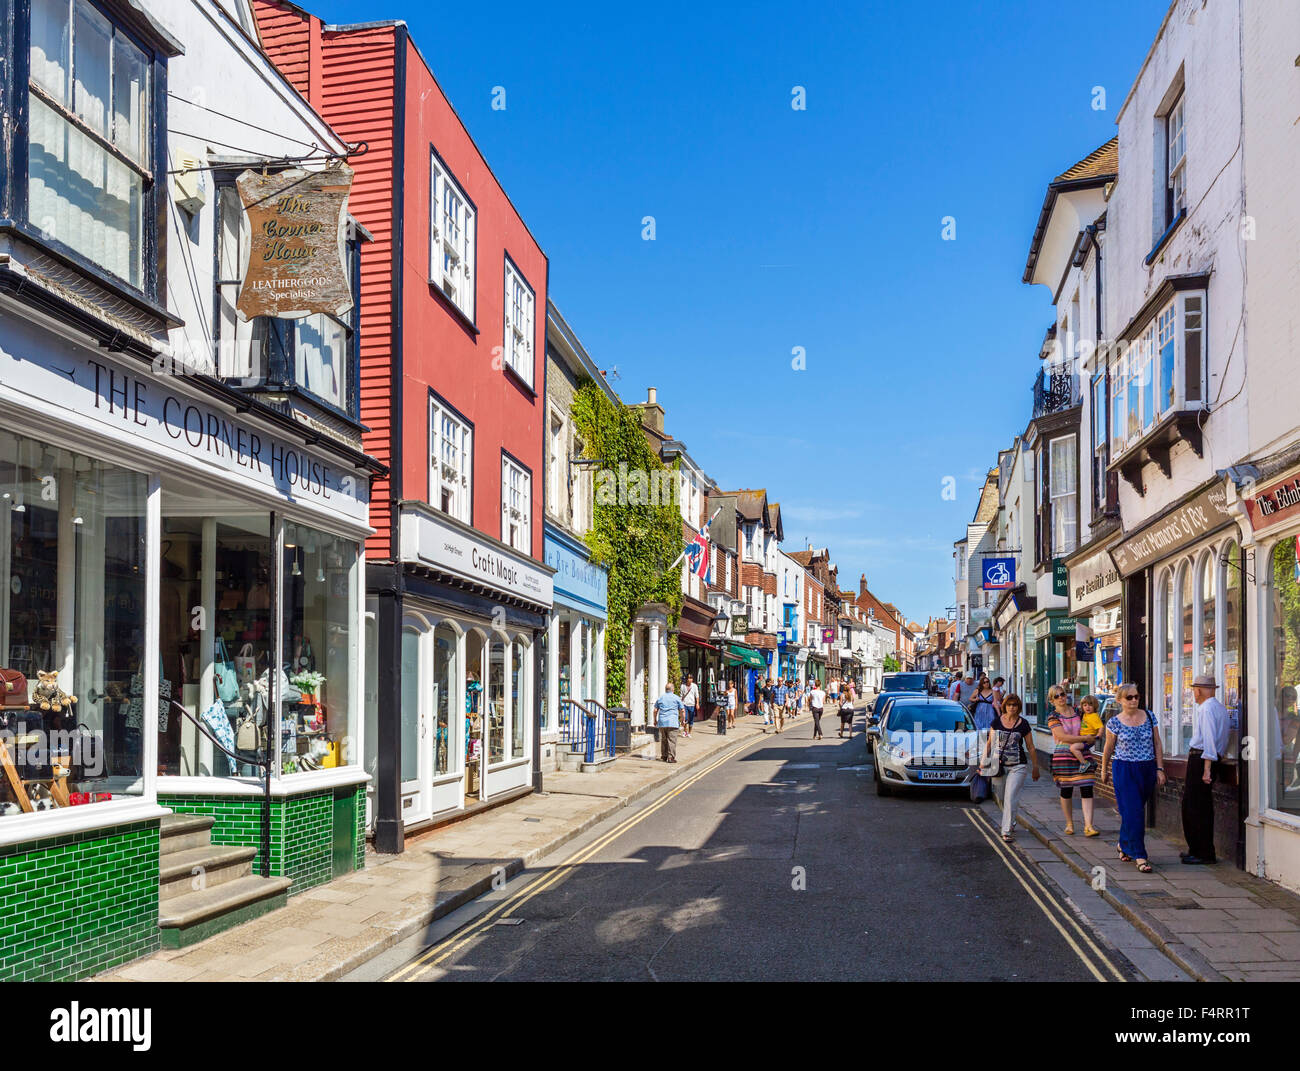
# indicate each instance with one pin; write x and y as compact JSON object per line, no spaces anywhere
{"x":929,"y":717}
{"x":903,"y":682}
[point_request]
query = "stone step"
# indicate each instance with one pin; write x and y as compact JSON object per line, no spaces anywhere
{"x":181,"y":832}
{"x":198,"y":915}
{"x":205,"y":867}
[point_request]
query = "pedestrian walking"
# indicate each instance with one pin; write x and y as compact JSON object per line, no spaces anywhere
{"x":984,"y":704}
{"x":816,"y":704}
{"x":1067,"y":771}
{"x":691,"y":701}
{"x":1133,"y":755}
{"x":954,"y":689}
{"x":780,"y":693}
{"x":999,"y":686}
{"x":733,"y":701}
{"x":668,"y":716}
{"x":1006,"y":746}
{"x":1211,"y":724}
{"x":778,"y":712}
{"x":846,"y":715}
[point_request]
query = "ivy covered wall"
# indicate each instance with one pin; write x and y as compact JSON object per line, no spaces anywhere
{"x":636,"y":527}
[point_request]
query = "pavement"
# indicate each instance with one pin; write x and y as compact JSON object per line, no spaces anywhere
{"x":1215,"y":923}
{"x":330,"y":930}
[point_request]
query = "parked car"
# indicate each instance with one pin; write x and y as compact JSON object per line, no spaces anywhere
{"x":898,"y":682}
{"x":939,"y":682}
{"x":922,"y":742}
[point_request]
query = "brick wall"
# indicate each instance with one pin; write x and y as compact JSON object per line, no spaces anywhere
{"x":302,"y":831}
{"x":75,"y":905}
{"x":751,"y":575}
{"x":769,"y":583}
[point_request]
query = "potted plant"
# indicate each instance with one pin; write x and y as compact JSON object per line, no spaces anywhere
{"x":308,"y":681}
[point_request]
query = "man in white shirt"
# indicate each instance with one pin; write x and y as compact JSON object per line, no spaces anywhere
{"x":1210,"y":727}
{"x":817,"y":703}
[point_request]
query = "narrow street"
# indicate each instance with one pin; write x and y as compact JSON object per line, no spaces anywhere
{"x":779,"y":862}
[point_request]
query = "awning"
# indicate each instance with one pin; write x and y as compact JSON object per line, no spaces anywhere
{"x":691,"y":641}
{"x":738,"y":655}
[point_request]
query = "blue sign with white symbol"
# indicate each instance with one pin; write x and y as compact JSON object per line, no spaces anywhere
{"x":999,"y":573}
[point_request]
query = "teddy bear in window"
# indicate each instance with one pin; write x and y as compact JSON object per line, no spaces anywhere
{"x":48,"y":695}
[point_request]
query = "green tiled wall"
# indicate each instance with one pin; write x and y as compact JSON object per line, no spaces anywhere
{"x":302,"y":830}
{"x":74,"y":905}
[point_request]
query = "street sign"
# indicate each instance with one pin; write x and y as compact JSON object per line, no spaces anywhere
{"x":999,"y":574}
{"x":1060,"y":577}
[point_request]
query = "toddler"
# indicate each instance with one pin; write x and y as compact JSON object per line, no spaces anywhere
{"x":1089,"y":726}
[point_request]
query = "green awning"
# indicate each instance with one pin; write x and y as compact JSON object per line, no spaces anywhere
{"x":738,"y":655}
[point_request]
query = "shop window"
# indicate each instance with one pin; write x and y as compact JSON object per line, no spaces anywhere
{"x":474,"y":712}
{"x":72,"y":611}
{"x":1232,"y":607}
{"x":90,"y":174}
{"x":446,"y":677}
{"x":315,"y":354}
{"x":516,"y":505}
{"x":1163,"y":700}
{"x":215,"y":637}
{"x":544,"y":668}
{"x":1204,"y":662}
{"x":1283,"y":655}
{"x":452,"y":238}
{"x":319,"y":610}
{"x":520,"y":691}
{"x":451,"y":461}
{"x":410,"y":719}
{"x":1186,"y":654}
{"x":496,"y":702}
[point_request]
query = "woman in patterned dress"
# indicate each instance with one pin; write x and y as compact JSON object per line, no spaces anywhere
{"x":1067,"y":771}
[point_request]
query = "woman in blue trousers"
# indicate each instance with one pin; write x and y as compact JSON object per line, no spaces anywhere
{"x":1134,"y":755}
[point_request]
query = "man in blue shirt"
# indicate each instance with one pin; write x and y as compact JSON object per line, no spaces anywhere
{"x":668,"y":716}
{"x":1211,"y":724}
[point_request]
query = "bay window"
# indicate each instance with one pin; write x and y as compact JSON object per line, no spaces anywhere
{"x":452,"y":238}
{"x":91,"y":173}
{"x":519,"y":324}
{"x":1160,"y":372}
{"x":451,"y":456}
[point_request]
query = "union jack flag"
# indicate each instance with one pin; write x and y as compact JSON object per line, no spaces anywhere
{"x":697,"y":554}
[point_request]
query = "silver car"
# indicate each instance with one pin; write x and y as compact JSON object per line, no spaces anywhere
{"x":924,"y":742}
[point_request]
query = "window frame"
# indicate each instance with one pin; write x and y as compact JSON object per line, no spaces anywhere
{"x":437,"y":408}
{"x":439,"y":175}
{"x":278,"y":338}
{"x":15,"y":194}
{"x":1175,"y":176}
{"x":508,"y":462}
{"x":511,"y":332}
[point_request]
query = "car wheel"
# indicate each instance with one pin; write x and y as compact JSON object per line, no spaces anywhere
{"x":882,"y":789}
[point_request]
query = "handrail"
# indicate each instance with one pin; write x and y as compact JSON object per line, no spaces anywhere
{"x":265,"y":765}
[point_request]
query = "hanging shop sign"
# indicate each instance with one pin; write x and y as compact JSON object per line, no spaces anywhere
{"x":297,"y":252}
{"x":739,"y":624}
{"x":1199,"y":516}
{"x":93,"y":390}
{"x":1060,"y":577}
{"x":1093,"y":580}
{"x":430,"y":536}
{"x":1275,"y":503}
{"x":999,"y":574}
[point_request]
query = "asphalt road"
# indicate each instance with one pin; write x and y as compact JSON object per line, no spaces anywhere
{"x":779,"y":864}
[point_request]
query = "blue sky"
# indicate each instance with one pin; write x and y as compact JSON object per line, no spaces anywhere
{"x":820,"y":229}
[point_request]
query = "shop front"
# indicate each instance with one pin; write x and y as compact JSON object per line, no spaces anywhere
{"x":1186,"y":567}
{"x":1094,"y":593}
{"x":1051,"y":635}
{"x":750,"y":664}
{"x":571,"y":652}
{"x":699,"y":657}
{"x":171,"y":555}
{"x":456,"y":633}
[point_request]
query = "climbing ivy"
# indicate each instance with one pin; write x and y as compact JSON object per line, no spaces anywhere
{"x":636,"y":535}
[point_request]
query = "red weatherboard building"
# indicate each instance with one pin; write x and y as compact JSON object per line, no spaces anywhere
{"x":452,"y":365}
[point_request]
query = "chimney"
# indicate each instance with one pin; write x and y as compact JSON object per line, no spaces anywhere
{"x":862,"y":585}
{"x":652,"y":396}
{"x":652,"y":413}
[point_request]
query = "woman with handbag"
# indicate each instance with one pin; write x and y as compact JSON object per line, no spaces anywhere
{"x":1007,"y":757}
{"x":1133,"y":740}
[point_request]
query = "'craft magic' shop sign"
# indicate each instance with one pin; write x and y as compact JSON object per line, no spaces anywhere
{"x":142,"y":409}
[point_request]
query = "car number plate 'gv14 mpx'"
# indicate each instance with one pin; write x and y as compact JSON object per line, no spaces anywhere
{"x":938,"y":775}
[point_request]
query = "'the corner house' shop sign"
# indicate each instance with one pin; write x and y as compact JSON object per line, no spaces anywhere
{"x":1205,"y":513}
{"x":297,"y":257}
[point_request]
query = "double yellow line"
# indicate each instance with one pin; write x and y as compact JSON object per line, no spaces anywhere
{"x":1066,"y":924}
{"x":442,"y":951}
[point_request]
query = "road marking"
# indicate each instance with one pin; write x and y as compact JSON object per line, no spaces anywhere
{"x":983,"y":826}
{"x":448,"y":947}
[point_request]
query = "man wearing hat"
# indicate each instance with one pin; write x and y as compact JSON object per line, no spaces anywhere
{"x":1210,"y":725}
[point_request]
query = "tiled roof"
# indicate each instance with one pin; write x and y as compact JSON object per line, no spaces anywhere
{"x":1102,"y":162}
{"x":803,"y":557}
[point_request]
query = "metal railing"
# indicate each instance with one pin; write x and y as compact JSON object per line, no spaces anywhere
{"x":263,"y":764}
{"x":1055,"y":390}
{"x":587,"y":728}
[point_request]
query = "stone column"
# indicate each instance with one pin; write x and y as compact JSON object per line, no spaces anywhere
{"x":635,"y":698}
{"x":656,"y":663}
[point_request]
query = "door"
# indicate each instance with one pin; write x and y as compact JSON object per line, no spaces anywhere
{"x":415,"y":724}
{"x":344,"y":855}
{"x":446,"y":750}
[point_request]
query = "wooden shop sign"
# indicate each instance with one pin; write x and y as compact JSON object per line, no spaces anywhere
{"x":1274,"y":503}
{"x":297,"y":255}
